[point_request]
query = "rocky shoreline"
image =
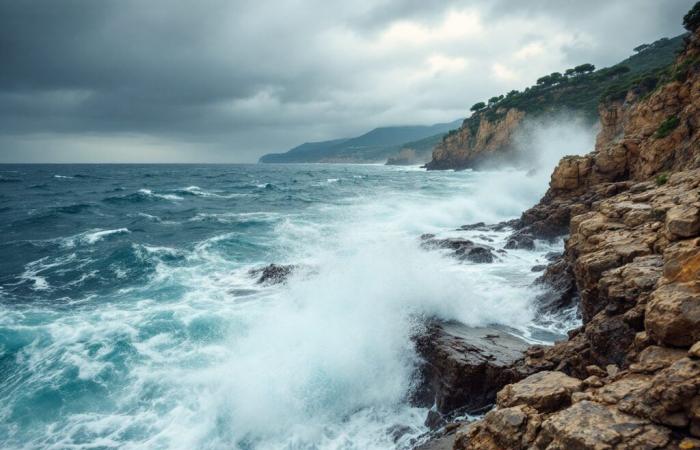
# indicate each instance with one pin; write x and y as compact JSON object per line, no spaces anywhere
{"x":629,"y":378}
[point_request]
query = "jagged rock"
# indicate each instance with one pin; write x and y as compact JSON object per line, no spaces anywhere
{"x":544,"y":391}
{"x":468,"y":148}
{"x":673,"y":314}
{"x":694,"y":351}
{"x":609,"y":339}
{"x":589,"y":425}
{"x":520,"y":241}
{"x":671,"y":397}
{"x":560,"y":291}
{"x":505,"y":428}
{"x":683,"y":221}
{"x":273,"y":273}
{"x":631,"y":210}
{"x":465,"y":366}
{"x":655,"y":358}
{"x":462,"y":248}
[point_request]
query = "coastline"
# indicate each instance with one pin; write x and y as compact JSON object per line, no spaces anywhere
{"x":629,"y":377}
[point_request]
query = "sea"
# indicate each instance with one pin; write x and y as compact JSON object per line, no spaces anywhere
{"x":130,"y":317}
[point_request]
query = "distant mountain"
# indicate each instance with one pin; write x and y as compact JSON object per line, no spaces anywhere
{"x":374,"y":146}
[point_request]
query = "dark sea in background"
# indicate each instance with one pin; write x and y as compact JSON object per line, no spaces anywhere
{"x":129,"y":319}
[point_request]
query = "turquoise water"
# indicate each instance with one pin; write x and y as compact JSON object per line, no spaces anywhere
{"x":129,"y":319}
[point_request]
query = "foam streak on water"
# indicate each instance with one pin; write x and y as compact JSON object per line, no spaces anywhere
{"x":128,"y":318}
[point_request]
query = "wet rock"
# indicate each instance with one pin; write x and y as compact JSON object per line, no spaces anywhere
{"x":520,"y":241}
{"x":560,"y":287}
{"x":273,"y":273}
{"x":464,"y":366}
{"x":464,"y":249}
{"x":538,"y":268}
{"x":479,"y":226}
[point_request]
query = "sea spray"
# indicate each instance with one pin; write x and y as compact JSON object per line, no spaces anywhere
{"x":152,"y":334}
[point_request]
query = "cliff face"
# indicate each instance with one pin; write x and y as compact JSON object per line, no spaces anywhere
{"x":467,"y":147}
{"x":629,"y":378}
{"x":487,"y":135}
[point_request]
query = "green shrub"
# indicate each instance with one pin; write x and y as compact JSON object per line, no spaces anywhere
{"x":667,"y":126}
{"x":661,"y":179}
{"x":691,"y":21}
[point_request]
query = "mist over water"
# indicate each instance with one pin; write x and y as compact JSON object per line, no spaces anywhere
{"x":129,"y":319}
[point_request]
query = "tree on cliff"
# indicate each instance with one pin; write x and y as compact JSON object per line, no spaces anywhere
{"x":584,"y":69}
{"x":477,"y":107}
{"x":691,"y":21}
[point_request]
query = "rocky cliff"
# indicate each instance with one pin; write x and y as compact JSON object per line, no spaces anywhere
{"x":468,"y":146}
{"x":487,"y":136}
{"x":629,"y":378}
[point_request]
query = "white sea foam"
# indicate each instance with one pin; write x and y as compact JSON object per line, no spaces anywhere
{"x":324,"y":361}
{"x":90,"y":237}
{"x":150,"y":193}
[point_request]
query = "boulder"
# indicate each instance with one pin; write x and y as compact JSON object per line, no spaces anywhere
{"x":464,"y":249}
{"x":683,"y":221}
{"x":464,"y":367}
{"x":589,"y":425}
{"x":544,"y":391}
{"x":673,"y":314}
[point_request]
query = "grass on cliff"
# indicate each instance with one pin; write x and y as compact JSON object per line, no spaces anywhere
{"x":667,"y":126}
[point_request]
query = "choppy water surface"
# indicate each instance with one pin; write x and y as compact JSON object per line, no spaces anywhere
{"x":128,"y":318}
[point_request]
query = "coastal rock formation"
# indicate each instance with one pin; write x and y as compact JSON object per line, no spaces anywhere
{"x":464,"y":249}
{"x":629,"y":378}
{"x":466,"y":366}
{"x":467,"y":147}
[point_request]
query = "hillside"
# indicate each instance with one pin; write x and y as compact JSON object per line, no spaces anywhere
{"x":374,"y":146}
{"x":488,"y":133}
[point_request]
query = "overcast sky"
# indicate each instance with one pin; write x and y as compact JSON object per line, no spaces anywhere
{"x":229,"y":80}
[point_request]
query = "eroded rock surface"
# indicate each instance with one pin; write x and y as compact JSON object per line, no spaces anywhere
{"x":466,"y":366}
{"x":629,"y":378}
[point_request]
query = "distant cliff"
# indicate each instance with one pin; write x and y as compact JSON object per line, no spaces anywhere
{"x":375,"y":146}
{"x":487,"y":136}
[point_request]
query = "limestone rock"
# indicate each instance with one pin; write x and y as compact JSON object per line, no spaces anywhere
{"x":544,"y":391}
{"x":683,"y":221}
{"x":673,"y":314}
{"x":589,"y":425}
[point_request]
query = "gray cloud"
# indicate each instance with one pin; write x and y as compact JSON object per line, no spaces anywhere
{"x":216,"y":80}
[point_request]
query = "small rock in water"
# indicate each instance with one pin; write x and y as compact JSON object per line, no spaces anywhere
{"x":463,"y":248}
{"x":521,"y":241}
{"x":273,"y":273}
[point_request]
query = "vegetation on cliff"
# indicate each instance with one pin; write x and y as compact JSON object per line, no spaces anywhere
{"x":629,"y":378}
{"x":487,"y":134}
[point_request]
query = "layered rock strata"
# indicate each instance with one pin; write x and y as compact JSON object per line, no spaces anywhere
{"x":629,"y":378}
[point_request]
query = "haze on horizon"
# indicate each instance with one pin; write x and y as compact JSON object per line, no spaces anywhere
{"x":227,"y":81}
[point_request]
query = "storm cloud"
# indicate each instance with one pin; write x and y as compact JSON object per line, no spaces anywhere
{"x":225,"y":81}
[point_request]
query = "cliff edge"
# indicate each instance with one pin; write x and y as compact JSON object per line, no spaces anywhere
{"x":629,"y":378}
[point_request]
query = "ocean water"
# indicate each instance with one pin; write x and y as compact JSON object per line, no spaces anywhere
{"x":129,"y":318}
